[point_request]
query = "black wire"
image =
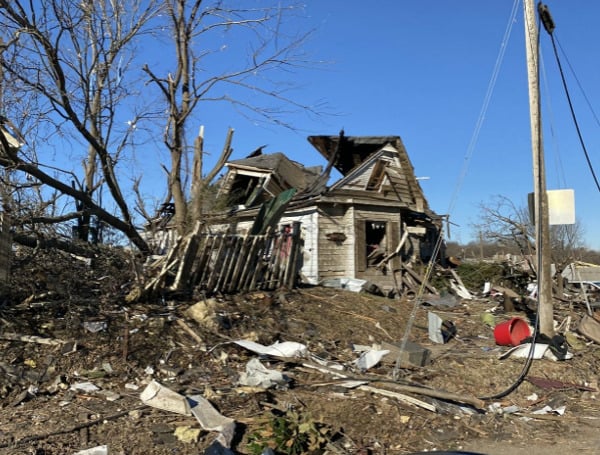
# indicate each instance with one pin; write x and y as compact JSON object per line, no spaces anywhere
{"x":585,"y":97}
{"x":564,"y":82}
{"x":526,"y":366}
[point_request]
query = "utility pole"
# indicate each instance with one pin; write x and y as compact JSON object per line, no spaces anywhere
{"x":542,"y":231}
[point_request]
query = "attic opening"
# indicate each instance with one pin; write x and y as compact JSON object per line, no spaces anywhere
{"x":375,"y":240}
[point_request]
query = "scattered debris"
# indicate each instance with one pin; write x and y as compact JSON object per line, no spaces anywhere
{"x":288,"y":349}
{"x":552,"y":384}
{"x":369,"y":358}
{"x":257,"y":374}
{"x":161,"y":397}
{"x":440,"y":331}
{"x":98,"y":450}
{"x":179,"y":346}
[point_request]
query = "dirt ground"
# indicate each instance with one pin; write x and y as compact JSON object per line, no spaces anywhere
{"x":121,"y":348}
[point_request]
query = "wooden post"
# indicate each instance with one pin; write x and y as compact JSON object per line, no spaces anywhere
{"x":290,"y":279}
{"x":544,"y":276}
{"x":197,"y":182}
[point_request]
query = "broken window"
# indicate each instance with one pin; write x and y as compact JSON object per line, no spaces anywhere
{"x":376,"y":244}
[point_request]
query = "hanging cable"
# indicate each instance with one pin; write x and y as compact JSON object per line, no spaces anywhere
{"x":549,"y":26}
{"x":468,"y":156}
{"x":484,"y":106}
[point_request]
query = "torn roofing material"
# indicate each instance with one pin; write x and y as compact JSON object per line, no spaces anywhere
{"x":251,"y":181}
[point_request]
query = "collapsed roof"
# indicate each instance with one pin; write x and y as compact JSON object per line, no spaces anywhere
{"x":255,"y":179}
{"x":349,"y":152}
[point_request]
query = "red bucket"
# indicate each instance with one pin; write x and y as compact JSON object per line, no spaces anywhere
{"x":511,"y":332}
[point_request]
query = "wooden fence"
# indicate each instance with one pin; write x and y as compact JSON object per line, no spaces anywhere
{"x":230,"y":262}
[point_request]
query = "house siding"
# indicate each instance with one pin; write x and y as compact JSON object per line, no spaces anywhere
{"x":336,"y":258}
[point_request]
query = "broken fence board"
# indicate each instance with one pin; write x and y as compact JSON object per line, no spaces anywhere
{"x":230,"y":262}
{"x":190,"y":252}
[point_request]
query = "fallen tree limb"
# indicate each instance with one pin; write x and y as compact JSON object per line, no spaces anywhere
{"x":32,"y":339}
{"x":395,"y":386}
{"x":443,"y":395}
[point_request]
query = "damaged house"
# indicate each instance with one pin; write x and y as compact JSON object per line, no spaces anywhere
{"x":351,"y":228}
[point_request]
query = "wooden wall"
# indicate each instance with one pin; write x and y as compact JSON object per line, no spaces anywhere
{"x":336,"y":258}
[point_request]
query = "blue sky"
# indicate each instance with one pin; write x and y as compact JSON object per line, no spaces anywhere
{"x":421,"y":70}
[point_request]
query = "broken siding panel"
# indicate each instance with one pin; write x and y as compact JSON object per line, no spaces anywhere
{"x":363,"y":178}
{"x":359,"y":182}
{"x":310,"y":235}
{"x":413,"y":184}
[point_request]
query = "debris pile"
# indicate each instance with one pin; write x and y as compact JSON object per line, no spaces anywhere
{"x":311,"y":368}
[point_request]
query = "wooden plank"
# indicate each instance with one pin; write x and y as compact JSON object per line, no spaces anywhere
{"x":290,"y":278}
{"x":229,"y":257}
{"x":247,"y":266}
{"x":218,"y":258}
{"x":190,"y":252}
{"x":258,"y":262}
{"x":203,"y":267}
{"x":360,"y":247}
{"x":241,"y":247}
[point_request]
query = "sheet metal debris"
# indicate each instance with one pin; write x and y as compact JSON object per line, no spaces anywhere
{"x":161,"y":397}
{"x":369,"y":358}
{"x":541,"y":351}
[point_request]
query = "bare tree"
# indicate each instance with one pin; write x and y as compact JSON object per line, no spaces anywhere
{"x":504,"y":223}
{"x":72,"y":56}
{"x":74,"y":74}
{"x":191,"y":81}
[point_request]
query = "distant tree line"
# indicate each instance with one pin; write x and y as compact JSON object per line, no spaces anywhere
{"x":504,"y":228}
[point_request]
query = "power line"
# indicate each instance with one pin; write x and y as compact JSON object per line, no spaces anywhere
{"x":549,"y":26}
